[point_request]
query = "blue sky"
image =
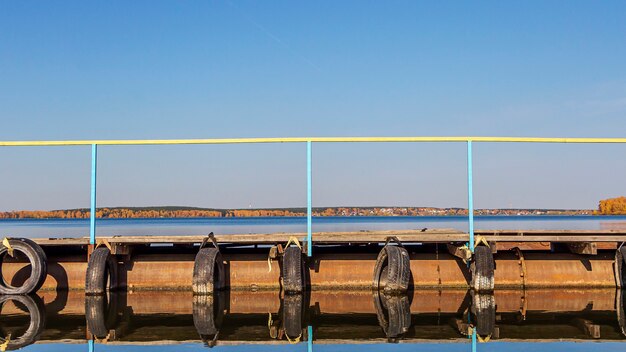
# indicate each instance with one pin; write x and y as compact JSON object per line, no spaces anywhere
{"x":204,"y":69}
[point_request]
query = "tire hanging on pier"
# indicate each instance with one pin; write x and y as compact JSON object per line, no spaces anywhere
{"x":38,"y":266}
{"x":482,"y":268}
{"x":102,"y":272}
{"x":35,"y":308}
{"x":293,"y":270}
{"x":392,"y":272}
{"x":620,"y":267}
{"x":208,"y":272}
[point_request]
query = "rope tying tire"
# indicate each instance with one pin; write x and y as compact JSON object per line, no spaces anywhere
{"x":38,"y":265}
{"x":392,"y":272}
{"x":482,"y":268}
{"x":101,"y":268}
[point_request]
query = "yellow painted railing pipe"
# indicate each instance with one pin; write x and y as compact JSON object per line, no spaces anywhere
{"x":311,"y":139}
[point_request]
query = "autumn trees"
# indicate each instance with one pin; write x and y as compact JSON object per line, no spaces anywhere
{"x":612,"y":206}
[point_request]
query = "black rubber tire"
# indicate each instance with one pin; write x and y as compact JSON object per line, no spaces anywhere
{"x":393,"y":313}
{"x":293,"y":270}
{"x":620,"y":305}
{"x":620,"y":267}
{"x":292,"y":315}
{"x":208,"y":315}
{"x":102,"y":313}
{"x":38,"y":263}
{"x":482,"y":269}
{"x":392,"y":272}
{"x":102,"y":267}
{"x":484,"y":311}
{"x":37,"y":313}
{"x":208,"y":272}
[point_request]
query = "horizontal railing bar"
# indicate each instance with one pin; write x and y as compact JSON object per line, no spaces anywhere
{"x":311,"y":139}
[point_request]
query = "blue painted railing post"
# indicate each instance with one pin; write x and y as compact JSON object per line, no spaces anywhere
{"x":470,"y":195}
{"x":92,"y":217}
{"x":90,"y":345}
{"x":473,"y":339}
{"x":310,"y":339}
{"x":309,"y":202}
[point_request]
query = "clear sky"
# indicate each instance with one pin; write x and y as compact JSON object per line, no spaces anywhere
{"x":204,"y":69}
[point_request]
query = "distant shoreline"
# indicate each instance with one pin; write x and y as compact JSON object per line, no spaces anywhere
{"x":174,"y":212}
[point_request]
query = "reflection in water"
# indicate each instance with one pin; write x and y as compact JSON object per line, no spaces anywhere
{"x":483,"y":314}
{"x":393,"y":313}
{"x":15,"y":331}
{"x":347,"y":317}
{"x":289,"y":323}
{"x":103,"y":313}
{"x":208,"y":315}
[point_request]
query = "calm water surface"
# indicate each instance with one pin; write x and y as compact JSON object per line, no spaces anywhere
{"x":430,"y":320}
{"x":110,"y":227}
{"x":547,"y":320}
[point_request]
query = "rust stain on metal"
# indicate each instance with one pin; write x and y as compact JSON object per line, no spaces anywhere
{"x":336,"y":271}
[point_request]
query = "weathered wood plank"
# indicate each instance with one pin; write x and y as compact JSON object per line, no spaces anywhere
{"x":610,"y":237}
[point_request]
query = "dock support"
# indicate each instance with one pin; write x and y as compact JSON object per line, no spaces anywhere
{"x":470,"y":196}
{"x":473,"y":337}
{"x":309,"y":339}
{"x":309,"y":201}
{"x":92,"y":215}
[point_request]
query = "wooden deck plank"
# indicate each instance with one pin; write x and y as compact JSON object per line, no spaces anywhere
{"x":407,"y":236}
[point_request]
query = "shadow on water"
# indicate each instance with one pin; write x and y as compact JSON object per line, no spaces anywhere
{"x":268,"y":317}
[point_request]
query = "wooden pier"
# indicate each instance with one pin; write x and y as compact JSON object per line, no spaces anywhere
{"x":433,"y":258}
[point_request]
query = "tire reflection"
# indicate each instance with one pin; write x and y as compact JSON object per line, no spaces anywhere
{"x":291,"y":320}
{"x":347,"y":316}
{"x":483,"y":314}
{"x":620,"y":305}
{"x":103,"y":314}
{"x":20,"y":335}
{"x":208,"y":316}
{"x":393,"y":313}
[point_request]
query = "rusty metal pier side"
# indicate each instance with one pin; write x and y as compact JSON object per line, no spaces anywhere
{"x":342,"y":261}
{"x":392,"y":261}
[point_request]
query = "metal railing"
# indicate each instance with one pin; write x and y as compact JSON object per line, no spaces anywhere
{"x":309,"y":164}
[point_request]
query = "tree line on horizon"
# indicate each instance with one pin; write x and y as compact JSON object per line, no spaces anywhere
{"x":612,"y":206}
{"x":189,"y":212}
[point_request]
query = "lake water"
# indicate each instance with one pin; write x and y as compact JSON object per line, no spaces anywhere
{"x":223,"y":226}
{"x":429,"y":320}
{"x":514,"y":320}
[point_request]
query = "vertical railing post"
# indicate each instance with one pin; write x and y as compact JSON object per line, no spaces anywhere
{"x":309,"y":201}
{"x":90,"y":345}
{"x":92,"y":215}
{"x":470,"y":195}
{"x":310,"y":339}
{"x":474,"y":339}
